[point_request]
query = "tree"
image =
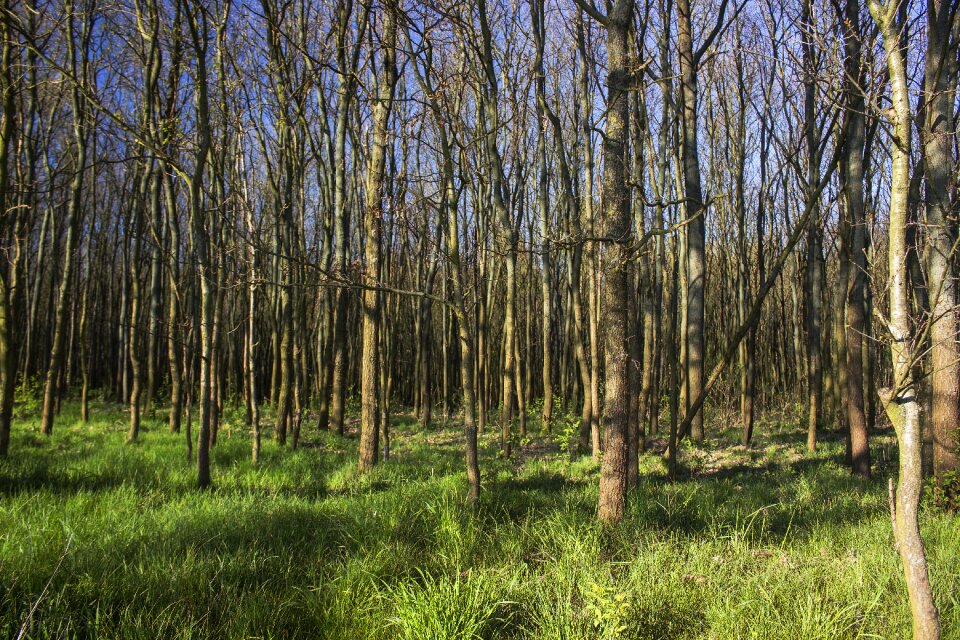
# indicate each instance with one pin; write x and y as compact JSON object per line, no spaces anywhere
{"x":8,"y":284}
{"x":198,"y":29}
{"x":901,"y":400}
{"x":373,"y":220}
{"x":696,"y":273}
{"x":815,"y":277}
{"x":618,"y":225}
{"x":937,"y":137}
{"x":78,"y":54}
{"x":543,"y":197}
{"x":853,"y":236}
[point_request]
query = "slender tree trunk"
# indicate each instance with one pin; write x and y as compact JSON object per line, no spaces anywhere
{"x":74,"y":213}
{"x":839,"y":334}
{"x":200,"y":226}
{"x":370,"y":371}
{"x":543,"y":196}
{"x":249,"y":363}
{"x":85,"y":337}
{"x":506,"y":232}
{"x":852,"y":175}
{"x":586,"y":109}
{"x":174,"y":332}
{"x":815,"y":280}
{"x":901,"y":401}
{"x":8,"y":353}
{"x":747,"y":350}
{"x":133,"y":341}
{"x":347,"y":60}
{"x":696,"y":211}
{"x":156,"y":286}
{"x":673,"y":363}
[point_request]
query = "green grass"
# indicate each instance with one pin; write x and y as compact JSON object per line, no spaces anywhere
{"x":108,"y":540}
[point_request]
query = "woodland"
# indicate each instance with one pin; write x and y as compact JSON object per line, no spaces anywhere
{"x":465,"y":319}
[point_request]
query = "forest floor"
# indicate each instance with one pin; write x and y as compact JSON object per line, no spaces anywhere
{"x":103,"y":539}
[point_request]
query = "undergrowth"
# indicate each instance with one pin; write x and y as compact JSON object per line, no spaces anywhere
{"x":100,"y":539}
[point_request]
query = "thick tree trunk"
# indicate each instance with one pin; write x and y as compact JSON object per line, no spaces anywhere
{"x":617,"y":269}
{"x":938,"y":131}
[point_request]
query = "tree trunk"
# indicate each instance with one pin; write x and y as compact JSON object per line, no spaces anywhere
{"x":815,"y":280}
{"x":938,"y":130}
{"x":696,"y":211}
{"x":586,"y":108}
{"x":174,"y":332}
{"x":852,"y":178}
{"x":74,"y":214}
{"x":617,"y":269}
{"x":133,"y":341}
{"x":200,"y":227}
{"x":543,"y":196}
{"x":370,"y":372}
{"x":8,"y":349}
{"x":901,"y":401}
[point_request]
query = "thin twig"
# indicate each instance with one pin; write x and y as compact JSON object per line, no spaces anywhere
{"x":26,"y":623}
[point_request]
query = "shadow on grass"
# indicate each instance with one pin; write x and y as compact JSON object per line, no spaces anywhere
{"x":765,"y":502}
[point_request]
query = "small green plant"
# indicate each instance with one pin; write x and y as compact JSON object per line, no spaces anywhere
{"x":535,"y":407}
{"x":943,"y":494}
{"x":351,"y":407}
{"x":27,"y":397}
{"x":566,"y":428}
{"x":608,"y":610}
